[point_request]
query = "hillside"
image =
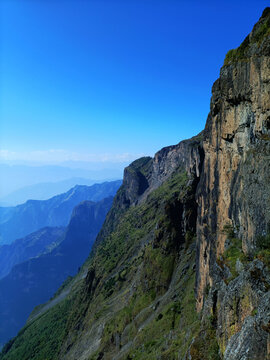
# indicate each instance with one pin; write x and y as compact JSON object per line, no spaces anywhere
{"x":180,"y":268}
{"x":21,"y":220}
{"x":34,"y":281}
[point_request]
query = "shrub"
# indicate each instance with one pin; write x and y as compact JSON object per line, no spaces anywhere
{"x":228,"y":230}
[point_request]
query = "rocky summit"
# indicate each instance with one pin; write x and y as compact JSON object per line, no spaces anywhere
{"x":180,"y":268}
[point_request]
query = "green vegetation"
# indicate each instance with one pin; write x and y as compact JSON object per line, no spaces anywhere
{"x":238,"y":54}
{"x":263,"y":242}
{"x":262,"y":32}
{"x":148,"y":224}
{"x":166,"y":335}
{"x":127,"y":287}
{"x":40,"y":339}
{"x":228,"y":230}
{"x":63,"y":286}
{"x":263,"y":249}
{"x":142,"y":164}
{"x":205,"y":345}
{"x":257,"y":36}
{"x":233,"y":253}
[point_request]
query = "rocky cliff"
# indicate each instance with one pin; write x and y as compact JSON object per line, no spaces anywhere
{"x":234,"y":187}
{"x":195,"y":217}
{"x":233,"y":198}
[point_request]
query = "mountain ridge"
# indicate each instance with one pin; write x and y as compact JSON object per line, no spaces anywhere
{"x":21,"y":220}
{"x":32,"y":245}
{"x":44,"y":191}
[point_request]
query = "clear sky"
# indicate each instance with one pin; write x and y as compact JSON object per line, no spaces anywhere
{"x":111,"y":80}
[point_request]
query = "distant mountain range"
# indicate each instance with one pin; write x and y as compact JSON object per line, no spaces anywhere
{"x":14,"y":177}
{"x":36,"y":280}
{"x":32,"y":245}
{"x":43,"y":191}
{"x":21,"y":220}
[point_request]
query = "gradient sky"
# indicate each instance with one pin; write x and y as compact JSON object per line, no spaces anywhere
{"x":111,"y":80}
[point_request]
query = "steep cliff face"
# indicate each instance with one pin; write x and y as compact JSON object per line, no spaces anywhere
{"x":233,"y":201}
{"x":234,"y":186}
{"x":146,"y":174}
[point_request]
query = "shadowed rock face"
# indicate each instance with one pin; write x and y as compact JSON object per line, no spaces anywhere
{"x":146,"y":174}
{"x":243,"y":315}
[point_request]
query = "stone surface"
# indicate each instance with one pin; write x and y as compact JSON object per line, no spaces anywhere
{"x":234,"y":185}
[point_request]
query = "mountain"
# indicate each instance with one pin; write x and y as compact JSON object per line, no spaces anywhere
{"x":21,"y":220}
{"x":28,"y":247}
{"x":14,"y":177}
{"x":180,"y":268}
{"x":43,"y":191}
{"x":36,"y":280}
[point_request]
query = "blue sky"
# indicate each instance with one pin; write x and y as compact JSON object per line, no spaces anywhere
{"x":109,"y":81}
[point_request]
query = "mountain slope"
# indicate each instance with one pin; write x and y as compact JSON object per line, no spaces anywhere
{"x":31,"y":246}
{"x":142,"y":262}
{"x":36,"y":280}
{"x":21,"y":220}
{"x":195,"y":217}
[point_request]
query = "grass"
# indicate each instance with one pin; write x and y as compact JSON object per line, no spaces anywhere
{"x":241,"y":53}
{"x":165,"y":337}
{"x":232,"y":254}
{"x":151,"y":223}
{"x":237,"y":54}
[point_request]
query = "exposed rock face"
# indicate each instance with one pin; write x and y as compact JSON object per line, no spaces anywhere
{"x":187,"y":153}
{"x":234,"y":187}
{"x":244,"y":314}
{"x":233,"y":196}
{"x":146,"y":174}
{"x":240,"y":309}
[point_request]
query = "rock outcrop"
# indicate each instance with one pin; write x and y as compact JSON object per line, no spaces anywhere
{"x":234,"y":186}
{"x":233,"y":199}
